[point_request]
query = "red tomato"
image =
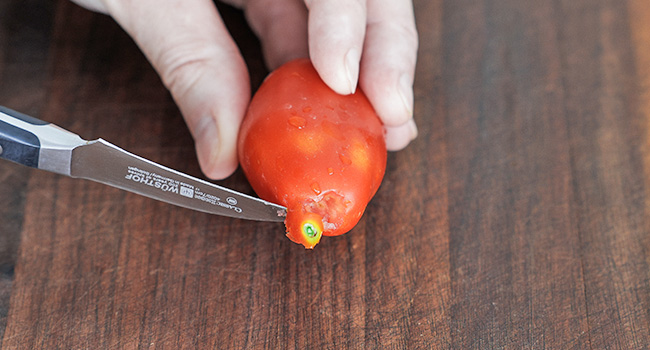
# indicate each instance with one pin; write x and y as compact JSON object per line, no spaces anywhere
{"x":320,"y":154}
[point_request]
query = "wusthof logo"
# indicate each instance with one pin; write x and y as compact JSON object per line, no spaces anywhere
{"x":152,"y":179}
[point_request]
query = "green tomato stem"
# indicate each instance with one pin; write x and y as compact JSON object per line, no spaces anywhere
{"x":310,"y":230}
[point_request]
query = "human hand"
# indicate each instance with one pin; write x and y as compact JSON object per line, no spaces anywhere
{"x":372,"y":43}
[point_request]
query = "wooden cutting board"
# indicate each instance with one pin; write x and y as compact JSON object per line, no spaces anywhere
{"x":518,"y":219}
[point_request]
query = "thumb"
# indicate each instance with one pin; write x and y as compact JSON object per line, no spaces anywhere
{"x":189,"y":46}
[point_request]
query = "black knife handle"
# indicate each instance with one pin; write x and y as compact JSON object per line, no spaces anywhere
{"x":16,"y":143}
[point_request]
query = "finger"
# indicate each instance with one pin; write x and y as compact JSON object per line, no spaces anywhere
{"x":197,"y":60}
{"x":388,"y":65}
{"x":281,"y":26}
{"x":336,"y":32}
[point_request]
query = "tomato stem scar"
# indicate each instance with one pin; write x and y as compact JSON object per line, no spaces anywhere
{"x":310,"y":230}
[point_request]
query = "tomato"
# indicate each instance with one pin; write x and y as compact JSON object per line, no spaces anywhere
{"x":320,"y":154}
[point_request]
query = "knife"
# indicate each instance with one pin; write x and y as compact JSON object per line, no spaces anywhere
{"x":32,"y":142}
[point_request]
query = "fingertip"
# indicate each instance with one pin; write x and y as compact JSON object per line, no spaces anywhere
{"x":391,"y":94}
{"x":336,"y":36}
{"x":341,"y":76}
{"x":398,"y":137}
{"x":216,"y":154}
{"x":218,"y":168}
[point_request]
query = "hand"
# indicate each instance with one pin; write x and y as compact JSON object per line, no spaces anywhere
{"x":372,"y":42}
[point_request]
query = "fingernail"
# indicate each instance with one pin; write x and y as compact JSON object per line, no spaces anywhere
{"x":405,"y":89}
{"x":352,"y":68}
{"x":207,"y":140}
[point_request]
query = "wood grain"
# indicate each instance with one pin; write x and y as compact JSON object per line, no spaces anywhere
{"x":519,"y":218}
{"x":24,"y":41}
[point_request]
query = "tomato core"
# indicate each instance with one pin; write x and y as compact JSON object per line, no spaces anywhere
{"x":309,"y":230}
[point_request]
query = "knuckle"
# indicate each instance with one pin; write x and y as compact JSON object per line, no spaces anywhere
{"x":181,"y":68}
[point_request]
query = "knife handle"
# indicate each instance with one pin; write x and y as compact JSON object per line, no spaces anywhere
{"x":17,"y":144}
{"x":35,"y":143}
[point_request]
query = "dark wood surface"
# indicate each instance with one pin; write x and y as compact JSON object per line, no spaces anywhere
{"x":518,"y":219}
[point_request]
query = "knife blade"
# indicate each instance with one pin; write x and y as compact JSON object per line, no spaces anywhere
{"x":35,"y":143}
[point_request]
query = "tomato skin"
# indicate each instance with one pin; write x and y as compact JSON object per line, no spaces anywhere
{"x":320,"y":154}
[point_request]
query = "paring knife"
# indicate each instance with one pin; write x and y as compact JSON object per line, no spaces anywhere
{"x":38,"y":144}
